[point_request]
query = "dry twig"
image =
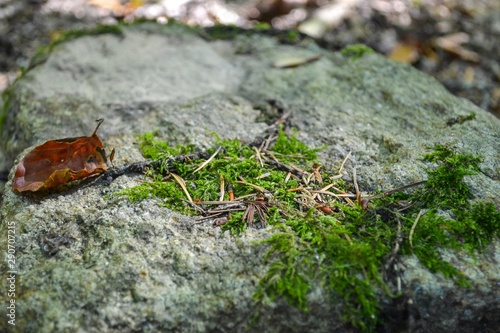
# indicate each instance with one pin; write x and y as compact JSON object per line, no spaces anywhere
{"x":412,"y":230}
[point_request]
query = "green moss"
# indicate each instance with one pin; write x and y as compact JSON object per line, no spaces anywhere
{"x":356,"y":51}
{"x":479,"y":224}
{"x":155,"y":149}
{"x":448,"y":219}
{"x":471,"y":230}
{"x":262,"y":26}
{"x":323,"y":248}
{"x":445,"y":187}
{"x":234,"y":163}
{"x":293,"y":148}
{"x":293,"y":35}
{"x":460,"y":119}
{"x":228,"y":32}
{"x":225,"y":32}
{"x":342,"y":247}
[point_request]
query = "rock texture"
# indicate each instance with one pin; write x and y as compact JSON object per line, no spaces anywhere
{"x":90,"y":264}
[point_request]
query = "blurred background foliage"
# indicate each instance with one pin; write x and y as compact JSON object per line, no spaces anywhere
{"x":456,"y":41}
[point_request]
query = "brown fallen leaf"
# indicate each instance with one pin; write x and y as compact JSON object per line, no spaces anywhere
{"x":469,"y":74}
{"x":452,"y":44}
{"x":405,"y":52}
{"x":291,"y":62}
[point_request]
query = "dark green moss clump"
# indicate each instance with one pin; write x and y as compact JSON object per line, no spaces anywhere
{"x":326,"y":250}
{"x":447,"y":218}
{"x":228,"y":32}
{"x":460,"y":119}
{"x":237,"y":165}
{"x":445,"y":187}
{"x":470,"y":230}
{"x":323,"y":238}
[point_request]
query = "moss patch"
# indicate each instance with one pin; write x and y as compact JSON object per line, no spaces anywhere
{"x":228,"y":32}
{"x":356,"y":51}
{"x":325,"y":236}
{"x":460,"y":119}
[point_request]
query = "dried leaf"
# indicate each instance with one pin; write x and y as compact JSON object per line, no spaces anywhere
{"x":295,"y":61}
{"x":182,"y":183}
{"x":256,"y":187}
{"x":452,"y":43}
{"x":208,"y":161}
{"x":405,"y":52}
{"x":469,"y":74}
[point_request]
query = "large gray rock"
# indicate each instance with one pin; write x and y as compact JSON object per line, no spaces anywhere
{"x":86,"y":264}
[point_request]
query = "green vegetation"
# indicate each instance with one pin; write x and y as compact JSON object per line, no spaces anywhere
{"x":228,"y":32}
{"x":444,"y":187}
{"x":262,"y":26}
{"x":224,"y":32}
{"x":323,"y":238}
{"x":356,"y":51}
{"x":471,"y":226}
{"x":235,"y":164}
{"x":460,"y":119}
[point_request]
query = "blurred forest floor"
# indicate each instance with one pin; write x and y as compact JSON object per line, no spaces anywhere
{"x":456,"y":41}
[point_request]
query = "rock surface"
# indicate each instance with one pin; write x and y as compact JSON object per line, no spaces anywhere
{"x":89,"y":264}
